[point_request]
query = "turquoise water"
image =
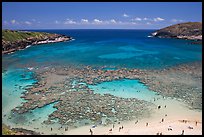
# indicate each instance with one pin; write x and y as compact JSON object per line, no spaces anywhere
{"x":109,"y":68}
{"x":14,"y":83}
{"x":121,"y":48}
{"x":110,"y":48}
{"x":34,"y":117}
{"x":125,"y":88}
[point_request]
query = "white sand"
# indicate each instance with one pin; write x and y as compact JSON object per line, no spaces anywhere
{"x":176,"y":112}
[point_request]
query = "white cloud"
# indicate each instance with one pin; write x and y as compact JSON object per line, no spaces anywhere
{"x":13,"y":21}
{"x":126,"y":23}
{"x":137,"y":19}
{"x":134,"y":21}
{"x":113,"y":21}
{"x":84,"y":20}
{"x":125,"y":15}
{"x":145,"y":19}
{"x":153,"y":19}
{"x":28,"y":23}
{"x":69,"y":21}
{"x":158,"y":19}
{"x":149,"y":19}
{"x":96,"y":21}
{"x":177,"y":20}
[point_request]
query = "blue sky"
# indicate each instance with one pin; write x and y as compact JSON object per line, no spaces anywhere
{"x":98,"y":15}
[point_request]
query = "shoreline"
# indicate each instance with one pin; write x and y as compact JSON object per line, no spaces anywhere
{"x":26,"y":44}
{"x":58,"y":39}
{"x":195,"y":39}
{"x":172,"y":121}
{"x":177,"y":117}
{"x":186,"y":30}
{"x":18,"y":40}
{"x":45,"y":77}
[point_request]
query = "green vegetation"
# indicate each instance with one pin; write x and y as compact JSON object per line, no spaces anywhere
{"x":7,"y":131}
{"x":13,"y":40}
{"x":12,"y":36}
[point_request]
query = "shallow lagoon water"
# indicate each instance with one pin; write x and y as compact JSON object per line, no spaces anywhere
{"x":14,"y":83}
{"x":125,"y":88}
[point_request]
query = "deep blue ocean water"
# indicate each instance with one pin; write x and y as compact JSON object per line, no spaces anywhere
{"x":111,"y":48}
{"x":121,"y":48}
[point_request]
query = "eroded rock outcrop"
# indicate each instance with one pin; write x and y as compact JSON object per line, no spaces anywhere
{"x":15,"y":40}
{"x":188,"y":30}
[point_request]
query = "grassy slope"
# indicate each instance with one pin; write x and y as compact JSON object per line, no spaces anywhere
{"x":11,"y":36}
{"x":7,"y":131}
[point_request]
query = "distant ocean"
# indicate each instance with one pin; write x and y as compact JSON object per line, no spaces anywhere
{"x":122,"y":48}
{"x":111,"y":48}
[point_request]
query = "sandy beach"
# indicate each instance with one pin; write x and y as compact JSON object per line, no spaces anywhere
{"x":176,"y":110}
{"x":133,"y":69}
{"x":173,"y":115}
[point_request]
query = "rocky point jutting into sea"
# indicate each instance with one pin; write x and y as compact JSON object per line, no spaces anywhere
{"x":13,"y":40}
{"x":187,"y":30}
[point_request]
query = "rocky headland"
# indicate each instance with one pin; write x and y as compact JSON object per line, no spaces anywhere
{"x":188,"y":30}
{"x":16,"y":40}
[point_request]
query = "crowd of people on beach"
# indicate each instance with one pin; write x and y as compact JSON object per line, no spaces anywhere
{"x":136,"y":122}
{"x":162,"y":120}
{"x":106,"y":77}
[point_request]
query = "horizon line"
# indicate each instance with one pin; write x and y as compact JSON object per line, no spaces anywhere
{"x":83,"y":29}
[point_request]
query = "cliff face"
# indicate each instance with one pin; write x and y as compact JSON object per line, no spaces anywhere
{"x":188,"y":30}
{"x":15,"y":40}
